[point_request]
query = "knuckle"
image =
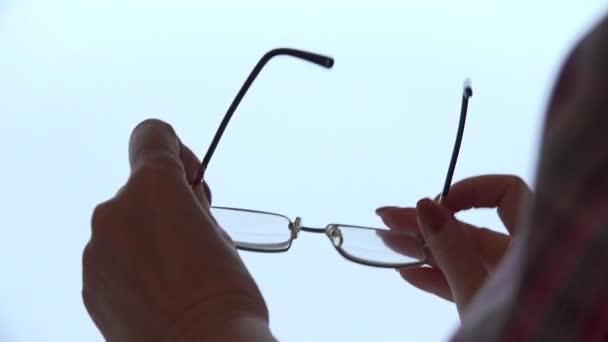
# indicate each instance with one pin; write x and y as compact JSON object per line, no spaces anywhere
{"x":517,"y":182}
{"x":87,"y":258}
{"x":89,"y":266}
{"x":519,"y":185}
{"x":86,"y":300}
{"x":101,"y":215}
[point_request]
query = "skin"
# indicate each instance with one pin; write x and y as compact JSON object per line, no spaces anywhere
{"x":159,"y":268}
{"x":461,"y":255}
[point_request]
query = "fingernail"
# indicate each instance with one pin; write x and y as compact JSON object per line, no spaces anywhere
{"x":431,"y":217}
{"x":382,"y":210}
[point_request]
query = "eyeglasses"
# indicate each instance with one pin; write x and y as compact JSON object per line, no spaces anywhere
{"x":261,"y":231}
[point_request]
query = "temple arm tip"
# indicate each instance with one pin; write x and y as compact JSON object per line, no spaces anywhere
{"x":467,"y":89}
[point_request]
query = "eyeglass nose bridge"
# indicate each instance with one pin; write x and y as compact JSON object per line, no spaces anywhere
{"x":332,"y":231}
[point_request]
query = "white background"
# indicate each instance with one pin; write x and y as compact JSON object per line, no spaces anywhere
{"x":377,"y":129}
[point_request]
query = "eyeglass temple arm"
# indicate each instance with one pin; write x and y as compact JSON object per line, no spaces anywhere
{"x":467,"y":92}
{"x":321,"y":60}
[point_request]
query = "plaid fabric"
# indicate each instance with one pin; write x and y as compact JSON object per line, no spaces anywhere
{"x":553,"y":283}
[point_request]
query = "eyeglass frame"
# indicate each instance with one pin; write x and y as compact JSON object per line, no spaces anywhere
{"x":295,"y":226}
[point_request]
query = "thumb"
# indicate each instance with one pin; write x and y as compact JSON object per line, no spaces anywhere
{"x":154,"y":143}
{"x":454,"y":254}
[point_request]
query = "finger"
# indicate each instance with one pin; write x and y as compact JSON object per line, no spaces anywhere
{"x":490,"y":245}
{"x":191,"y":162}
{"x":507,"y":193}
{"x":207,"y":191}
{"x":454,"y":253}
{"x":402,"y":244}
{"x":121,"y":190}
{"x":154,"y":143}
{"x":403,"y":220}
{"x":400,"y":219}
{"x":406,"y":242}
{"x":428,"y":279}
{"x":191,"y":165}
{"x":202,"y":192}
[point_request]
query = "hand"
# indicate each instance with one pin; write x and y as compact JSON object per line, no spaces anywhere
{"x":460,"y":255}
{"x":157,"y":266}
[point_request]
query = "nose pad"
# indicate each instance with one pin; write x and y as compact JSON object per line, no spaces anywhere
{"x":335,"y":235}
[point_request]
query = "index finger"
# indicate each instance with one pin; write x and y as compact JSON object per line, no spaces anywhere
{"x":154,"y":143}
{"x":191,"y":165}
{"x":506,"y":193}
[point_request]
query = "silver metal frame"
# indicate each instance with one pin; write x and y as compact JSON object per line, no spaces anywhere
{"x":333,"y":233}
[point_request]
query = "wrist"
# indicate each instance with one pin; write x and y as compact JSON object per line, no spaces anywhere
{"x":245,"y":328}
{"x":223,"y":318}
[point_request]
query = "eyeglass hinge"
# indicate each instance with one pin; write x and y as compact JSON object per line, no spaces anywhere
{"x":296,"y":227}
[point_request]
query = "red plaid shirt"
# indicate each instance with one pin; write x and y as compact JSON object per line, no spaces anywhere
{"x":553,"y":283}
